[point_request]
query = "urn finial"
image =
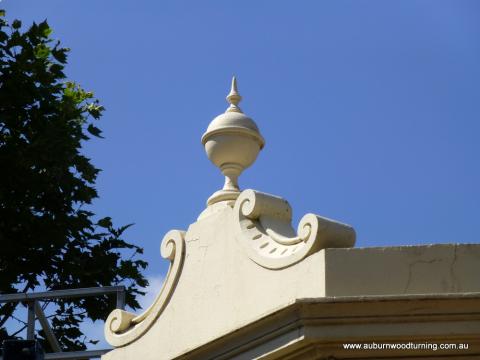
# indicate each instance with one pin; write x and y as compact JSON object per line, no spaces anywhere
{"x":232,"y":142}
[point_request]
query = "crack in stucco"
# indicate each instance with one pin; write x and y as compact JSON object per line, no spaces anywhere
{"x":452,"y":271}
{"x":410,"y":270}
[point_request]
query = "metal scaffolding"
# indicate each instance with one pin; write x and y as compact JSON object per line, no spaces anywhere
{"x":35,"y":311}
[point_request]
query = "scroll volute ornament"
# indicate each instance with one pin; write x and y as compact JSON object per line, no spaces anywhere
{"x":263,"y":225}
{"x":123,"y":327}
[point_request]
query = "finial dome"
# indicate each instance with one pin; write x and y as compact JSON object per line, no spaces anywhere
{"x":232,"y":142}
{"x":234,"y":118}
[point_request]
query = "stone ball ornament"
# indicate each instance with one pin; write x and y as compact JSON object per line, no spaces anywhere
{"x":232,"y":143}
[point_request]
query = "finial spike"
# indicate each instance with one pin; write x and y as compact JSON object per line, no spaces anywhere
{"x":234,"y":97}
{"x":234,"y":89}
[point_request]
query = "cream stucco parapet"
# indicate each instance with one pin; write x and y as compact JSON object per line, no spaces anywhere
{"x":123,"y":327}
{"x":260,"y":224}
{"x":263,"y":226}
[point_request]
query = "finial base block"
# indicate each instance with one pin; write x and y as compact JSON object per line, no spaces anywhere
{"x":222,"y":195}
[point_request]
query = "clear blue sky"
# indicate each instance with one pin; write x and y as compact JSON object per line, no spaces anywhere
{"x":370,"y":109}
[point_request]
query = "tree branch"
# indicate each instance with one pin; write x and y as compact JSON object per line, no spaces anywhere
{"x":19,"y":331}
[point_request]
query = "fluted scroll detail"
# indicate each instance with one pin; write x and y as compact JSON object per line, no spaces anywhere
{"x":264,"y":230}
{"x":123,"y":327}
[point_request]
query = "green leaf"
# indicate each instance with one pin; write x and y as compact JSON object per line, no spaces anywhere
{"x":3,"y":36}
{"x":60,"y":55}
{"x":94,"y":131}
{"x":16,"y":24}
{"x":56,"y":69}
{"x":95,"y":110}
{"x":41,"y":51}
{"x":44,"y":29}
{"x":47,"y":31}
{"x":106,"y":222}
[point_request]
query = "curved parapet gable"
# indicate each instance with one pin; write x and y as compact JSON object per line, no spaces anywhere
{"x":263,"y":226}
{"x":123,"y":327}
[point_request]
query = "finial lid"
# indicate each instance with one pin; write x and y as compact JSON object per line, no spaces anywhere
{"x":233,"y":119}
{"x":234,"y":98}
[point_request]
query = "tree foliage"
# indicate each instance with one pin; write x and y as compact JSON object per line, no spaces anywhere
{"x":48,"y":239}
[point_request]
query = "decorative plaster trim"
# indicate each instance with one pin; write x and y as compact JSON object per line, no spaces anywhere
{"x":263,"y":225}
{"x":123,"y":327}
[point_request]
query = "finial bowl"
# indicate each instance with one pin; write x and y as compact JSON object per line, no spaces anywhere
{"x":232,"y":138}
{"x":235,"y":148}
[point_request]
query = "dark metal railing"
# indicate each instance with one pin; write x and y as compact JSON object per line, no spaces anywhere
{"x":34,"y":310}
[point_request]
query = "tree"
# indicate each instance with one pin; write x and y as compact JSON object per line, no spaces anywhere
{"x":48,"y":239}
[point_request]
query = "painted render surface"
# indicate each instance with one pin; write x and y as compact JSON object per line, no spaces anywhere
{"x":242,"y":261}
